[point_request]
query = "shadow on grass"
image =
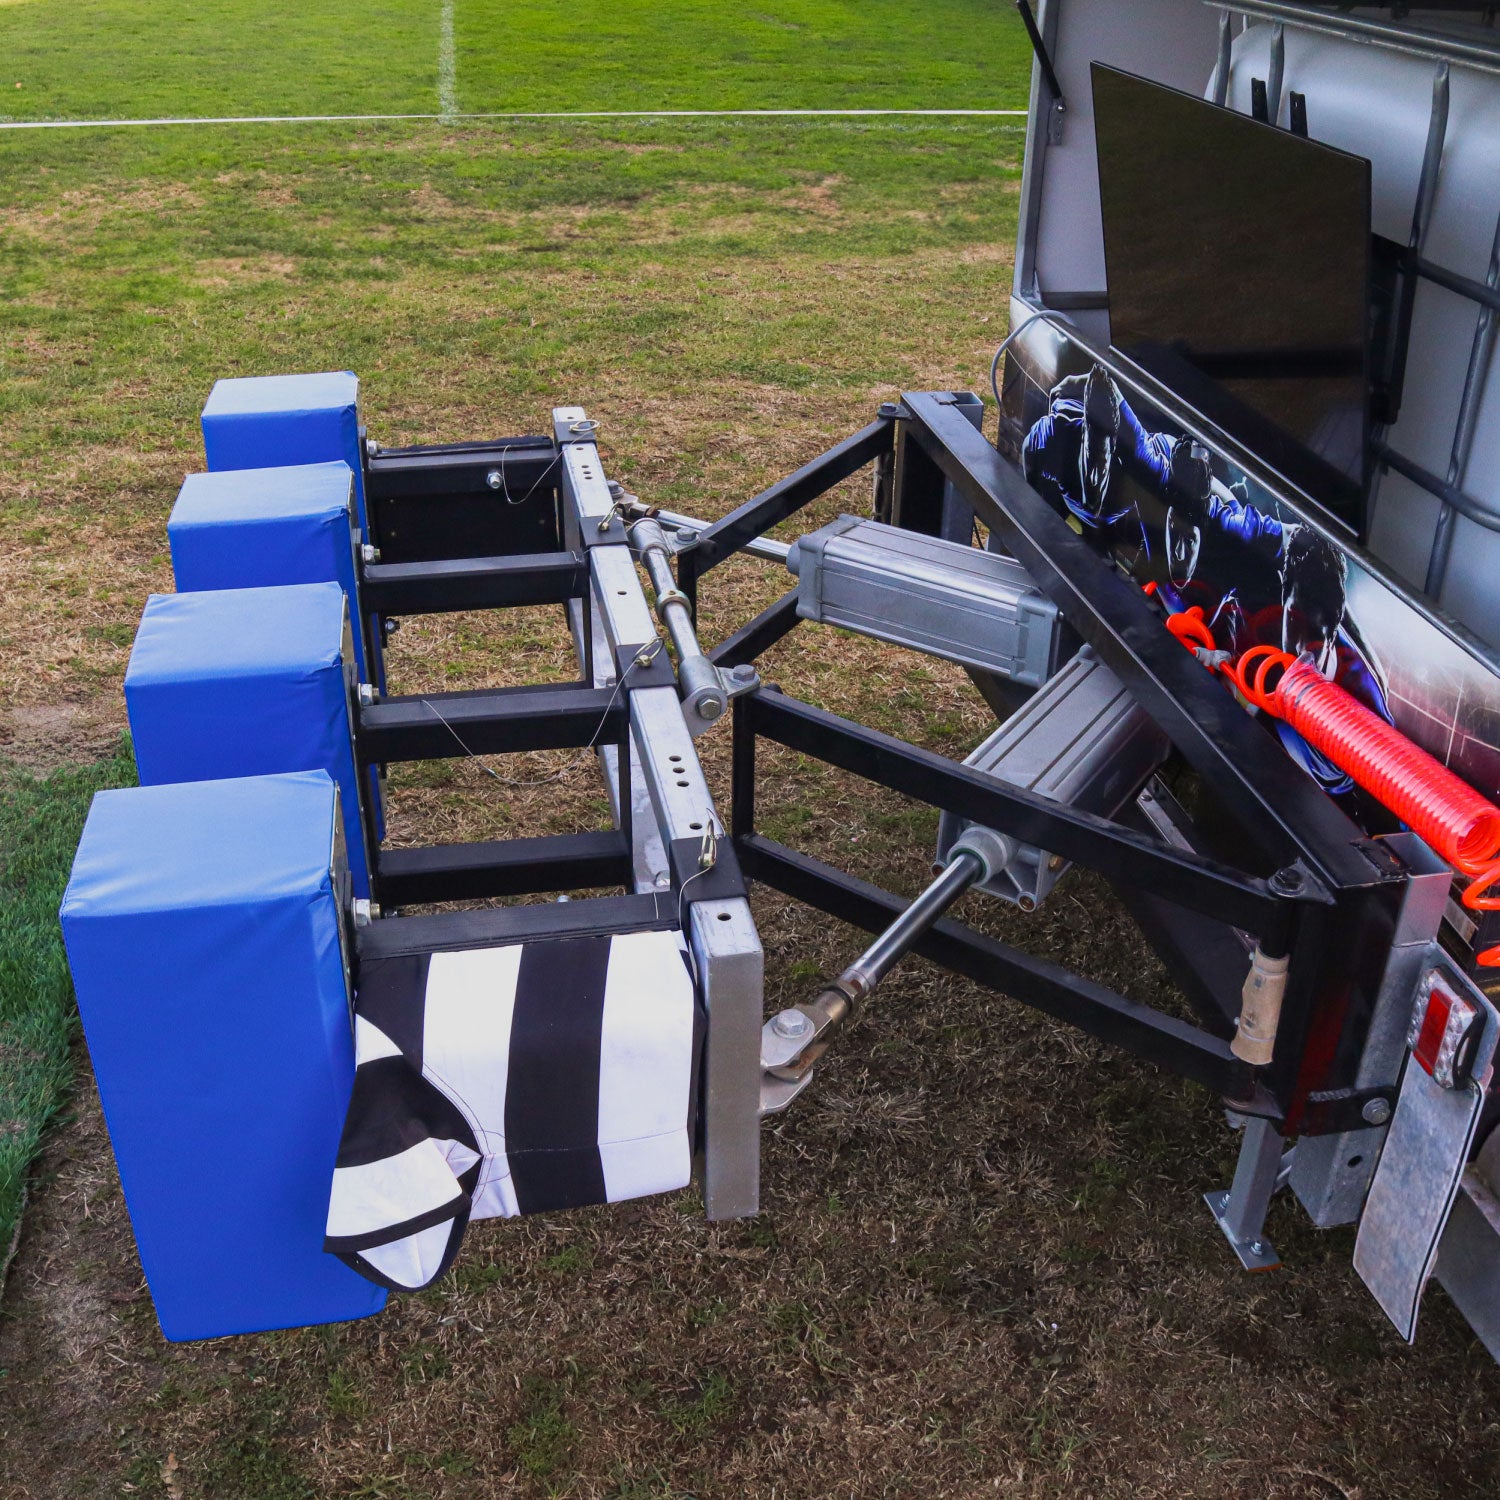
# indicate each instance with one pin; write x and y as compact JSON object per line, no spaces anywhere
{"x":41,"y":818}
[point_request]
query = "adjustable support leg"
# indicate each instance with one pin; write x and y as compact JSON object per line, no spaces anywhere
{"x":1241,"y":1211}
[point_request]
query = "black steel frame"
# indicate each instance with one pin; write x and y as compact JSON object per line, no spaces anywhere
{"x":1305,"y":880}
{"x":470,"y":526}
{"x":476,"y":526}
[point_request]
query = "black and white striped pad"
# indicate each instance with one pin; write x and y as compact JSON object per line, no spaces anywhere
{"x":501,"y":1081}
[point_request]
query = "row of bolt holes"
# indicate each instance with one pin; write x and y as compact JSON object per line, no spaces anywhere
{"x":677,"y":761}
{"x":724,"y":916}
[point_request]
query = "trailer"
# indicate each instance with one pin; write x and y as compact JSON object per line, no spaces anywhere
{"x":1222,"y":577}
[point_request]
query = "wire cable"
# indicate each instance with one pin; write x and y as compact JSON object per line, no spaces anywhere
{"x":643,"y":657}
{"x":1012,"y":336}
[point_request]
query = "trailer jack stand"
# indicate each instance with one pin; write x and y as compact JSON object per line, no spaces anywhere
{"x":1240,"y":1210}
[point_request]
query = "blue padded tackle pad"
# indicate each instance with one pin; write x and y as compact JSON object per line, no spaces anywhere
{"x":257,"y":528}
{"x":262,"y":421}
{"x":246,"y":682}
{"x":202,"y":927}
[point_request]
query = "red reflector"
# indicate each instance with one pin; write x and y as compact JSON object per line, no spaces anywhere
{"x":1430,"y":1034}
{"x":1441,"y":1032}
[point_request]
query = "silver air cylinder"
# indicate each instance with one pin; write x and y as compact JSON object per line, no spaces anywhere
{"x":1082,"y":741}
{"x":979,"y":609}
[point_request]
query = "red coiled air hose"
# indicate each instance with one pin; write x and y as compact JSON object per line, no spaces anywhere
{"x":1438,"y":806}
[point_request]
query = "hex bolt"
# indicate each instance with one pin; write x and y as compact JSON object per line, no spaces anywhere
{"x":1376,"y":1111}
{"x":495,"y":479}
{"x":1255,"y":1247}
{"x":368,"y":697}
{"x":710,"y":708}
{"x":1287,"y":881}
{"x":790,"y":1025}
{"x":372,"y":447}
{"x":369,"y":554}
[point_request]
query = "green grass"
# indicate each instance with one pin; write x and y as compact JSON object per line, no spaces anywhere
{"x":617,"y":265}
{"x":120,"y":59}
{"x":40,"y":821}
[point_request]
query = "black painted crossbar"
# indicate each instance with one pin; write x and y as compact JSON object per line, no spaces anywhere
{"x":429,"y":588}
{"x":490,"y":723}
{"x":1114,"y":1018}
{"x":787,"y":496}
{"x":458,"y":468}
{"x":1118,"y":853}
{"x":502,"y":867}
{"x":768,"y":627}
{"x":389,"y":937}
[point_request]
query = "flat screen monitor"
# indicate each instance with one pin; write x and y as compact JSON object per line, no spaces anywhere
{"x":1238,"y":258}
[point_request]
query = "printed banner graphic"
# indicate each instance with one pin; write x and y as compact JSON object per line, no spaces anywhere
{"x":1171,"y":513}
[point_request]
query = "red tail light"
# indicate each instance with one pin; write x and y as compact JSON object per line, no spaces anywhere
{"x":1443,"y":1033}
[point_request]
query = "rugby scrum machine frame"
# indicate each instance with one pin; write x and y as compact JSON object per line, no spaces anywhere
{"x":532,"y":521}
{"x":1095,"y":696}
{"x":1305,"y":884}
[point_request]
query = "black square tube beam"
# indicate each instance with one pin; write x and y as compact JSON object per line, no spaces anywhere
{"x":787,"y":496}
{"x":390,"y":937}
{"x":502,"y":867}
{"x":430,"y":588}
{"x":493,"y":723}
{"x":1117,"y":853}
{"x":460,"y":468}
{"x":1176,"y":1045}
{"x":750,"y":640}
{"x":1281,"y":811}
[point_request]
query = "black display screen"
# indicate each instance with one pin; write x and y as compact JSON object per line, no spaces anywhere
{"x":1238,"y":258}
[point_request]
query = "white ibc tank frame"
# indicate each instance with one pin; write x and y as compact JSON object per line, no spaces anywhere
{"x":1397,"y":93}
{"x":1431,"y":130}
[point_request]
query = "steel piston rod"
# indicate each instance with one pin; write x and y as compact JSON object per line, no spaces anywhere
{"x":793,"y":1041}
{"x":704,"y":695}
{"x":897,"y":940}
{"x":761,"y":546}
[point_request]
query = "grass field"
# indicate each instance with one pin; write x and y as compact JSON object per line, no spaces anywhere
{"x":40,"y":820}
{"x":116,"y":59}
{"x":983,"y":1266}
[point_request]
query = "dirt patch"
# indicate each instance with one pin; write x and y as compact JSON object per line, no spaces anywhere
{"x":43,"y":736}
{"x":228,"y":270}
{"x":82,"y":209}
{"x":68,"y":1274}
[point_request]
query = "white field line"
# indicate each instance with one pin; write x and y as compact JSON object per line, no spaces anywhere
{"x":539,"y":114}
{"x":447,"y":65}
